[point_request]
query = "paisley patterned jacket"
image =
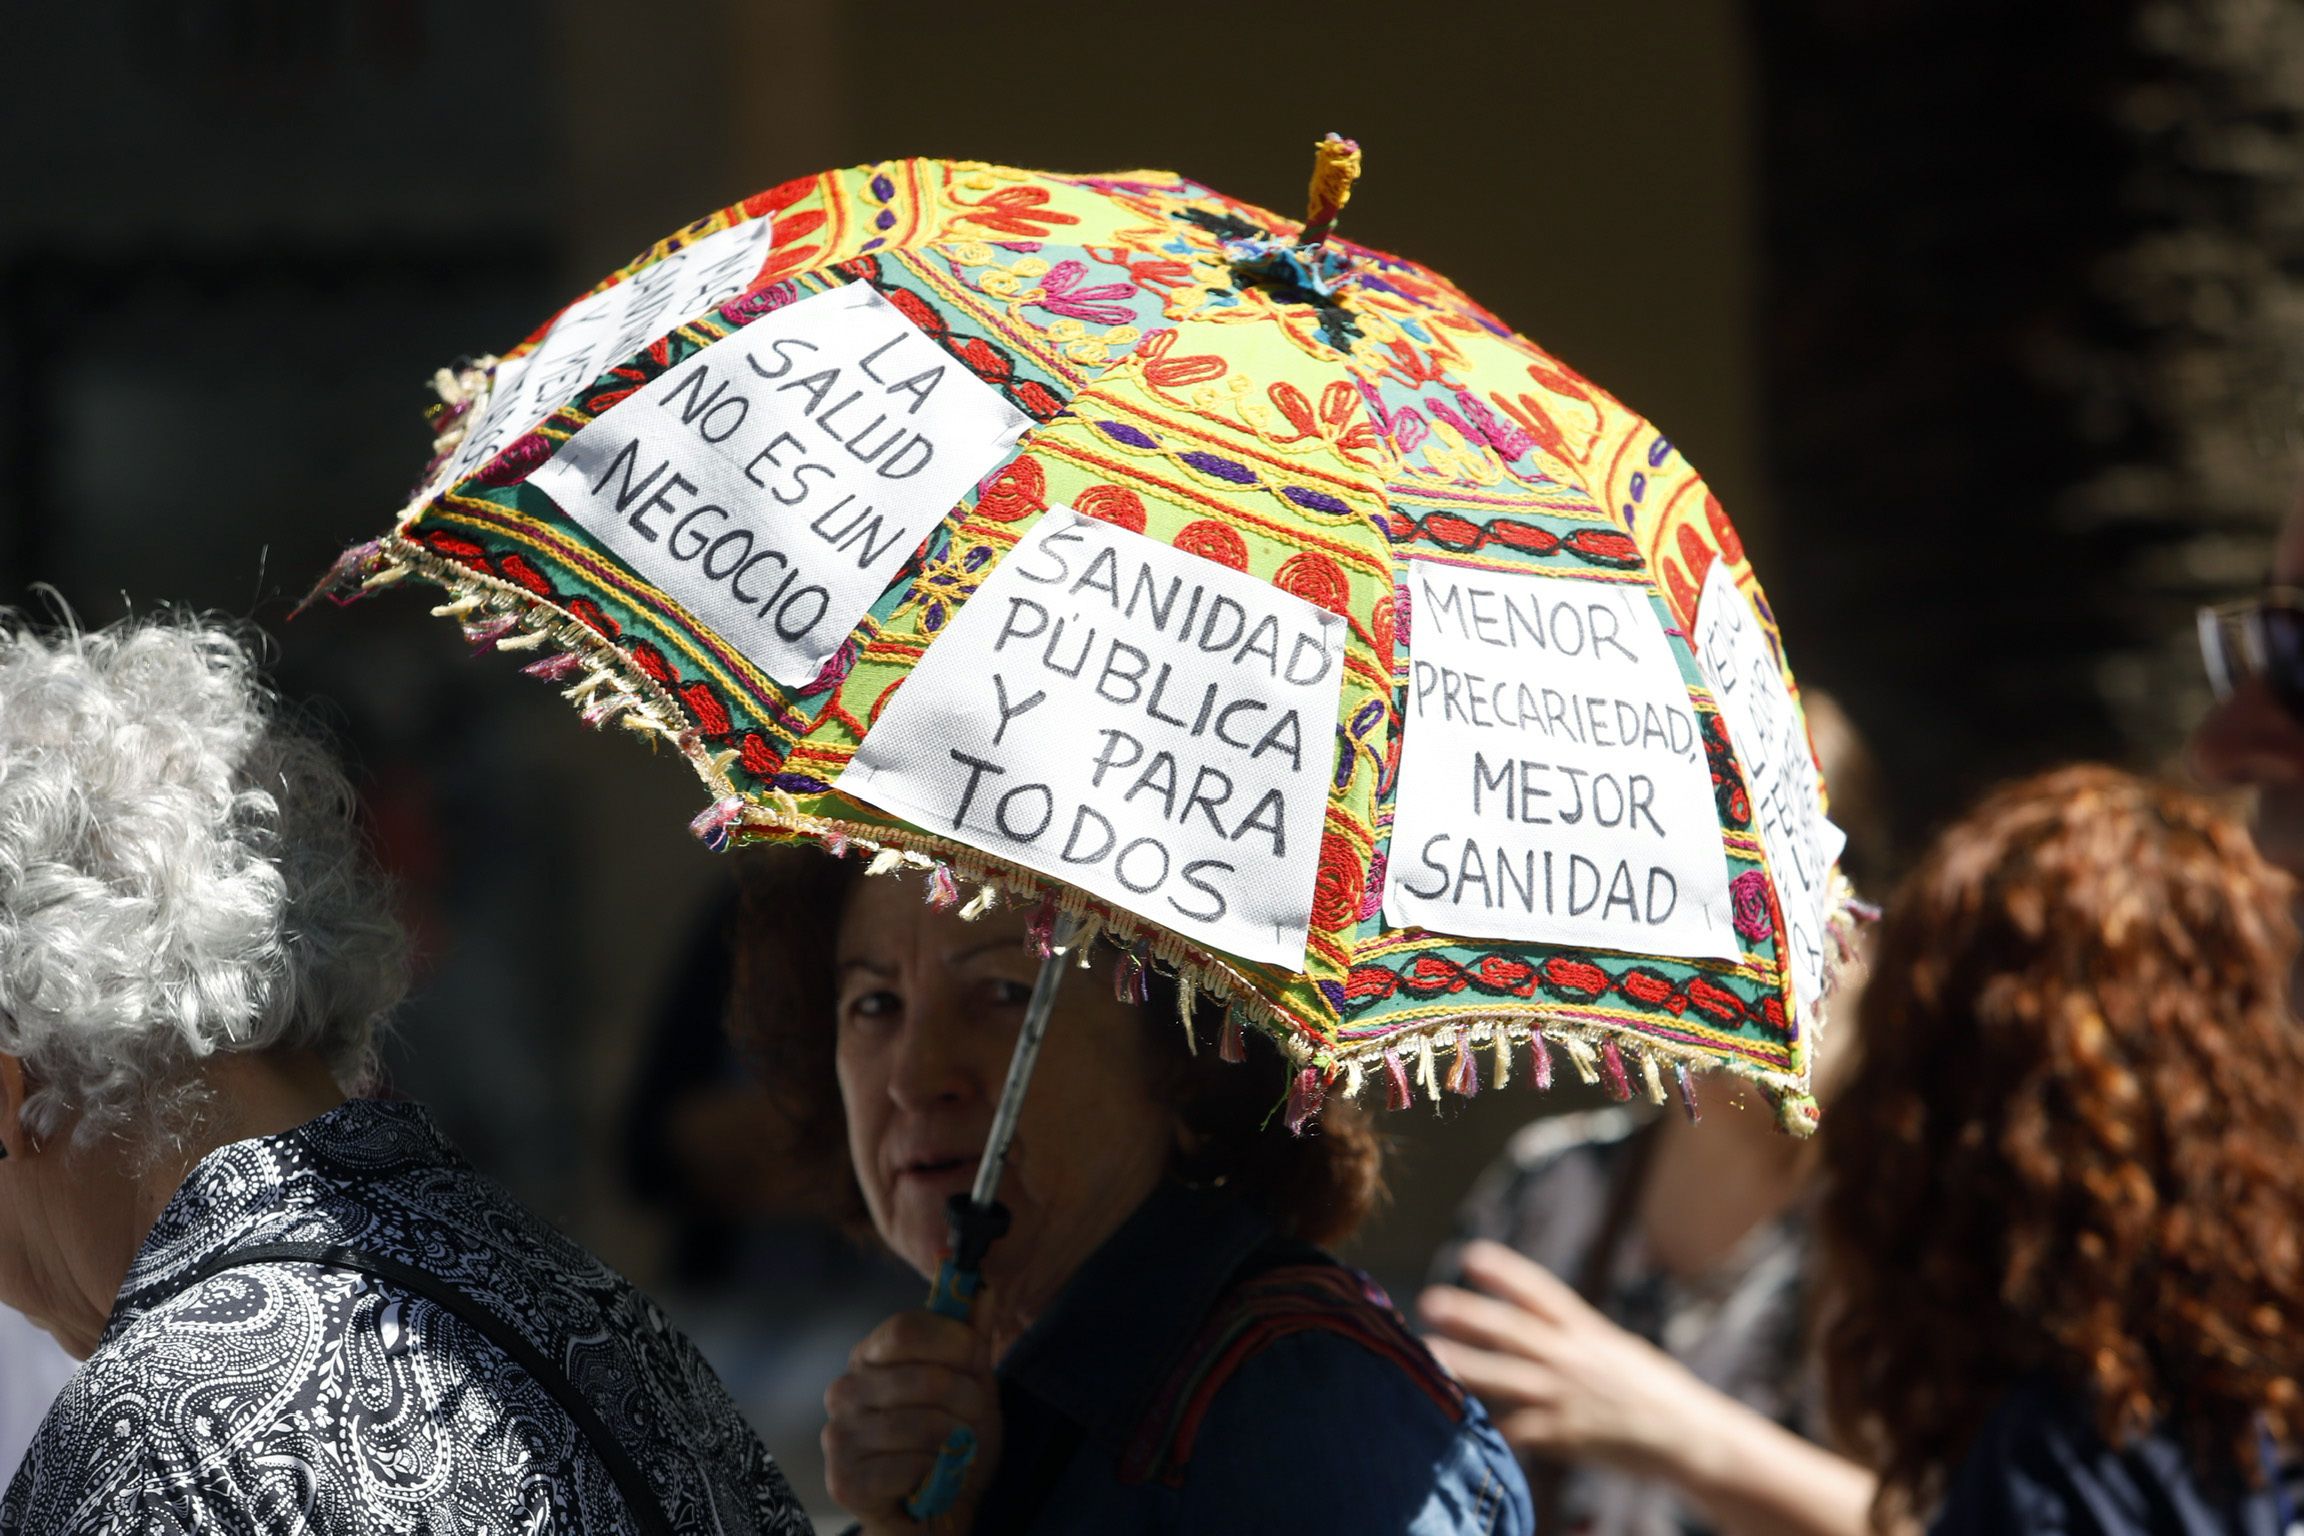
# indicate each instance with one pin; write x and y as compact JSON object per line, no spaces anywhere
{"x":289,"y":1397}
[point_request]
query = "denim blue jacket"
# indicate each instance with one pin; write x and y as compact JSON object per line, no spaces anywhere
{"x":1130,"y":1408}
{"x":2038,"y":1464}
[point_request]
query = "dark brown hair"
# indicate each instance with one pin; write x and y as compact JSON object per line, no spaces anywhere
{"x":1317,"y":1187}
{"x":2068,"y":1148}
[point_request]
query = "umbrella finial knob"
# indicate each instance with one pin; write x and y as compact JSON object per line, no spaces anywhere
{"x":1335,"y":166}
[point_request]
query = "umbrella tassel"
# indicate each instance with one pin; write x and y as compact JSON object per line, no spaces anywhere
{"x":1612,"y":1068}
{"x":1503,"y":1057}
{"x":527,"y":642}
{"x":1426,"y":1078}
{"x":1040,"y":928}
{"x":1352,"y":1078}
{"x":1652,"y":1079}
{"x":711,"y":826}
{"x":601,"y":711}
{"x":558,"y":668}
{"x":1580,"y":1053}
{"x":1129,"y":984}
{"x":1305,"y":1092}
{"x":1464,"y":1076}
{"x":1187,"y":1007}
{"x":1235,"y":1044}
{"x":1397,"y":1094}
{"x":1084,"y":937}
{"x":484,"y":636}
{"x":981,"y":902}
{"x":457,"y":609}
{"x":886,"y":862}
{"x":943,"y":891}
{"x":721,"y":761}
{"x":1539,"y":1060}
{"x":1687,"y":1084}
{"x":836,"y":844}
{"x":385,"y":577}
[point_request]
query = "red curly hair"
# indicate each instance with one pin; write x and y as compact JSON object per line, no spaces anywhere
{"x":2068,"y":1148}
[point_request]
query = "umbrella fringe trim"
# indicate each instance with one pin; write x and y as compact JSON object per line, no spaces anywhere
{"x":1600,"y":1059}
{"x":496,"y":614}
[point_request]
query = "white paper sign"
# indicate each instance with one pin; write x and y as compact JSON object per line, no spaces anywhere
{"x":604,"y":328}
{"x":774,"y":481}
{"x":1772,"y":745}
{"x":1147,"y":725}
{"x":1553,"y":786}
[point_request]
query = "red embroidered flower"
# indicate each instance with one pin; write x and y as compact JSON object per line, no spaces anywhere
{"x":1036,"y":402}
{"x":1723,"y":531}
{"x":1449,"y":531}
{"x":1433,"y":973}
{"x":1715,"y":1003}
{"x":988,"y":362}
{"x":1503,"y":974}
{"x":517,"y":569}
{"x":1579,"y":979}
{"x":1316,"y":579}
{"x":1164,"y":372}
{"x":1696,"y":552}
{"x":1018,"y":490}
{"x":1020,"y":211}
{"x":1683,"y":595}
{"x":462,"y":551}
{"x":1336,"y":890}
{"x":1211,"y":540}
{"x":1113,"y":504}
{"x":758,"y":757}
{"x":917,"y":310}
{"x":1645,"y":986}
{"x":1526,"y":537}
{"x":651,"y":661}
{"x":711,"y":715}
{"x":592,"y":616}
{"x":1604,"y":546}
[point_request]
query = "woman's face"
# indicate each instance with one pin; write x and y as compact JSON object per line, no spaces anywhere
{"x":929,"y":1007}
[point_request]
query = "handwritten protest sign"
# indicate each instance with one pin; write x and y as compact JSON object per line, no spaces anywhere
{"x":1553,"y":786}
{"x":604,"y":328}
{"x":1764,"y":726}
{"x":774,"y":481}
{"x":1149,"y":726}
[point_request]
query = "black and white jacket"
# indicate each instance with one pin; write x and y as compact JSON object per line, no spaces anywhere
{"x":291,"y":1397}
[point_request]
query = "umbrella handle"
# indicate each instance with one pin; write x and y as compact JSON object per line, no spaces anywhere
{"x":959,"y":1281}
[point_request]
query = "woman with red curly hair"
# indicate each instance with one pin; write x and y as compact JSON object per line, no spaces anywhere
{"x":2065,"y":1208}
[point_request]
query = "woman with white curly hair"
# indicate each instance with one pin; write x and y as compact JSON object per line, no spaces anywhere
{"x":299,"y":1309}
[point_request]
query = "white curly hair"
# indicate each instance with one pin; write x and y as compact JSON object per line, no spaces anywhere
{"x":180,"y":874}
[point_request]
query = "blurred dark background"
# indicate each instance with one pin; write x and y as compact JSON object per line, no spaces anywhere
{"x":1985,"y":321}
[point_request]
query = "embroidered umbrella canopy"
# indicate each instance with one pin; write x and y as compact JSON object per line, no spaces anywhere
{"x":1253,"y":598}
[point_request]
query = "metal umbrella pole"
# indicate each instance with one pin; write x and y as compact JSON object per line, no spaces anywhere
{"x":978,"y":1219}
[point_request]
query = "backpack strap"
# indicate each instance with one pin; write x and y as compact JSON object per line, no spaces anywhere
{"x":639,"y":1498}
{"x":1316,"y":1297}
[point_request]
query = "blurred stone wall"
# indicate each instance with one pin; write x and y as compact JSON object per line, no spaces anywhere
{"x":2034,"y":331}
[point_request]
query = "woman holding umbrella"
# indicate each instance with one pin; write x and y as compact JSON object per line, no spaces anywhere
{"x":1061,"y":535}
{"x":1162,"y":1345}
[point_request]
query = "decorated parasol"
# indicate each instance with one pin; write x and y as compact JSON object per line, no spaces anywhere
{"x":1252,"y":600}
